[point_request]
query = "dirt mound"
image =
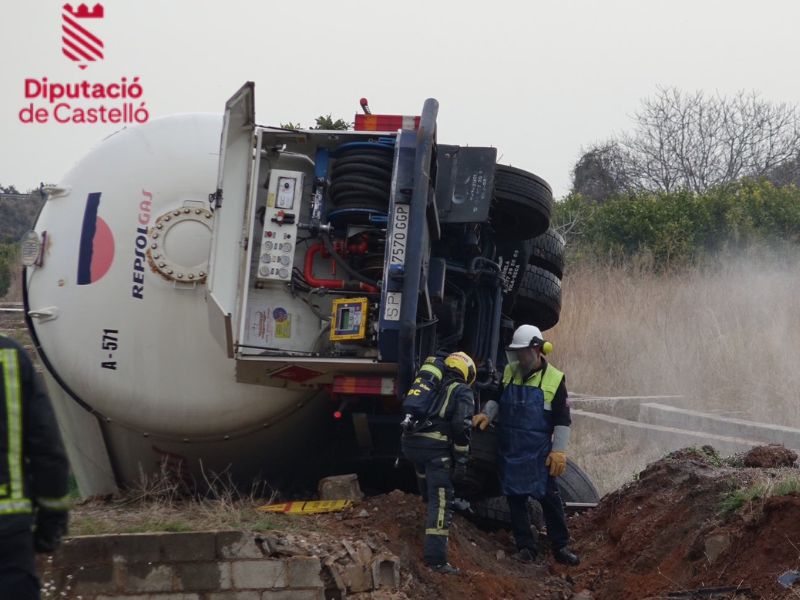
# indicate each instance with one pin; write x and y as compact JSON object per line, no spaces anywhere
{"x":692,"y":521}
{"x":769,"y":456}
{"x":488,"y":571}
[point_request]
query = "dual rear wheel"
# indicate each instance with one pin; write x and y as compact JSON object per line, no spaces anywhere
{"x":521,"y":207}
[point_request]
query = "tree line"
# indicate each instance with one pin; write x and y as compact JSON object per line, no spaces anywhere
{"x":17,"y":215}
{"x":696,"y":174}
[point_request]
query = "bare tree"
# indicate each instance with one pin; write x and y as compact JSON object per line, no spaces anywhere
{"x":601,"y":172}
{"x":693,"y":141}
{"x":786,"y":173}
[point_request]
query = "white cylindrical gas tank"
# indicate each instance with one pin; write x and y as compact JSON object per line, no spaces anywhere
{"x":121,"y":337}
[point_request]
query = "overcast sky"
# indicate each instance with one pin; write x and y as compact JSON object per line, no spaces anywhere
{"x":538,"y":80}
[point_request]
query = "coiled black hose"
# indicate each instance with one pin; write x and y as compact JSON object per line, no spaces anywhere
{"x":361,"y":176}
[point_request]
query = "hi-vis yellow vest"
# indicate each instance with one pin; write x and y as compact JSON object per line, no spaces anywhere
{"x":552,"y":379}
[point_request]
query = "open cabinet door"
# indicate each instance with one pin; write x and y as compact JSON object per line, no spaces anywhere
{"x":230,"y":205}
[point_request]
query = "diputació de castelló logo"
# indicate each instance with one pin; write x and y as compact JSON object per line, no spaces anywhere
{"x":80,"y":41}
{"x":83,"y":102}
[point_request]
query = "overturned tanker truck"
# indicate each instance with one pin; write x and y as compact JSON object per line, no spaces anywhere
{"x":214,"y":295}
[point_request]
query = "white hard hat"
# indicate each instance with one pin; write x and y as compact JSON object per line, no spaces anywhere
{"x":524,"y":337}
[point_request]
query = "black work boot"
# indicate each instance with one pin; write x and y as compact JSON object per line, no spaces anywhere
{"x":526,"y":555}
{"x":565,"y":557}
{"x":445,"y":569}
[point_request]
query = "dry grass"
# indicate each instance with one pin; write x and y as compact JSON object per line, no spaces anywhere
{"x":727,"y":335}
{"x":755,"y":495}
{"x":184,"y":515}
{"x":164,"y":503}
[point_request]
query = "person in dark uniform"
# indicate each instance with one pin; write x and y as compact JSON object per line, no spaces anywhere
{"x":534,"y":425}
{"x":438,"y":447}
{"x":33,"y":474}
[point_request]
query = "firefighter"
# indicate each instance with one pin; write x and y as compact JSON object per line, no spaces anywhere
{"x":438,"y":447}
{"x":33,"y":474}
{"x":533,"y":430}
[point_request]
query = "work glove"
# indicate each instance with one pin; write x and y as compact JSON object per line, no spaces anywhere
{"x":557,"y":461}
{"x":460,"y":470}
{"x":51,"y":525}
{"x":481,"y":421}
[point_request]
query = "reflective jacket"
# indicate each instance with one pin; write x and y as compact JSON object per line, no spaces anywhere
{"x":33,"y":464}
{"x":525,"y":428}
{"x":450,"y":427}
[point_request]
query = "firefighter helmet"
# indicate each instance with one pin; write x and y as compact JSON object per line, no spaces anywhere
{"x":463,"y":364}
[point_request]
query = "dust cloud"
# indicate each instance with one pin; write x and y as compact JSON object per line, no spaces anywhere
{"x":725,"y":335}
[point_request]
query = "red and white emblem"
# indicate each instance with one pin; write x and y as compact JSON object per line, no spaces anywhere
{"x":79,"y":40}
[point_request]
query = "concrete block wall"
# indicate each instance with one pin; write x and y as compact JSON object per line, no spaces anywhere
{"x":614,"y":438}
{"x":613,"y":450}
{"x":623,"y":407}
{"x":226,"y":565}
{"x":656,"y":413}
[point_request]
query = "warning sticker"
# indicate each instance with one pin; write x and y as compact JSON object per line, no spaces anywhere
{"x":265,"y":324}
{"x":283,"y":323}
{"x":296,"y":373}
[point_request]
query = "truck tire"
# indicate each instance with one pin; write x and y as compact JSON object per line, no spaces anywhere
{"x":547,"y":252}
{"x":573,"y":486}
{"x":494,"y":512}
{"x":538,"y":301}
{"x":521,"y":204}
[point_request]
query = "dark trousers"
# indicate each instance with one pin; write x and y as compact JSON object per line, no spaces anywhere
{"x":554,"y":519}
{"x":433,"y":469}
{"x":18,"y":567}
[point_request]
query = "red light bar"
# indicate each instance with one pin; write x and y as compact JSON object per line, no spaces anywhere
{"x":385,"y":122}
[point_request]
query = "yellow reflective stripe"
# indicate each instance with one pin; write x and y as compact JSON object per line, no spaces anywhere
{"x":8,"y":507}
{"x":436,"y":531}
{"x":434,"y":370}
{"x":62,"y":503}
{"x":3,"y":489}
{"x":442,"y":506}
{"x":450,"y":389}
{"x":462,"y":449}
{"x":14,"y":421}
{"x":434,"y":435}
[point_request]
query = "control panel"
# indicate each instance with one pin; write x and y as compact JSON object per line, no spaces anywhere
{"x":284,"y":193}
{"x":349,"y":319}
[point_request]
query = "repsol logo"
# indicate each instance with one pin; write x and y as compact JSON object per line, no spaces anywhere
{"x":140,"y":248}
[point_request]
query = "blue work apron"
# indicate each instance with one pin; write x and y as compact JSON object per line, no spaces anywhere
{"x":525,"y":440}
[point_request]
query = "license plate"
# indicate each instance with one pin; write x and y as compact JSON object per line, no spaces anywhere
{"x":397,"y":247}
{"x":391,"y":310}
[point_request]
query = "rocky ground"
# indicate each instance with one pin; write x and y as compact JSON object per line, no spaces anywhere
{"x":690,"y":526}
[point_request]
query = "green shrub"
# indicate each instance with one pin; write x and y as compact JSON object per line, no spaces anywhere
{"x":8,"y":258}
{"x":681,"y":227}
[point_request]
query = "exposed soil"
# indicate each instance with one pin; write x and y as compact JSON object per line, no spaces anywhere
{"x":672,"y":530}
{"x":668,"y":532}
{"x":769,"y":456}
{"x":485,"y":558}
